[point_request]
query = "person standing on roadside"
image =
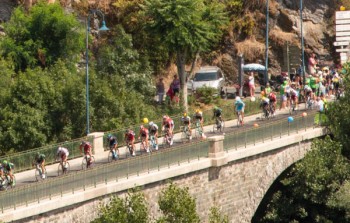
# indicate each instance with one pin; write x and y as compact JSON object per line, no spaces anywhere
{"x":160,"y":90}
{"x":175,"y":86}
{"x":312,"y":65}
{"x":251,"y":84}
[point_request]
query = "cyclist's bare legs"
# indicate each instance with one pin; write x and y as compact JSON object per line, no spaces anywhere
{"x":115,"y":149}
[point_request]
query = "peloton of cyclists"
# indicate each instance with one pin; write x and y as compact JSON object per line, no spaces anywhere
{"x":143,"y":135}
{"x":153,"y":131}
{"x":113,"y":146}
{"x":86,"y":146}
{"x":186,"y":121}
{"x":39,"y":160}
{"x":62,"y":154}
{"x":130,"y":139}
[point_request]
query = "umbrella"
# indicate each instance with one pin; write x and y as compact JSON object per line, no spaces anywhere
{"x":253,"y":67}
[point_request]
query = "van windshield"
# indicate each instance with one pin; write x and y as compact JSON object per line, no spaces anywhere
{"x":205,"y":76}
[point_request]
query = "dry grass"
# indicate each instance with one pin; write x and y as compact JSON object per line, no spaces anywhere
{"x":251,"y":49}
{"x":280,"y":38}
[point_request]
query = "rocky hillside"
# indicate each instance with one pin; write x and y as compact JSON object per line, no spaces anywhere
{"x":284,"y":25}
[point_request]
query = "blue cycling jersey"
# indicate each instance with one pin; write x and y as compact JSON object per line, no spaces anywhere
{"x":239,"y":105}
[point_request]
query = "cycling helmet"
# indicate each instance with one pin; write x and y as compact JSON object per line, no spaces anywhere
{"x":216,"y":107}
{"x":197,"y":110}
{"x":325,"y":69}
{"x":165,"y":117}
{"x":185,"y":114}
{"x":141,"y":126}
{"x":151,"y":123}
{"x":145,"y":120}
{"x":127,"y":131}
{"x":109,"y":136}
{"x":238,"y":98}
{"x":4,"y":162}
{"x":267,"y":84}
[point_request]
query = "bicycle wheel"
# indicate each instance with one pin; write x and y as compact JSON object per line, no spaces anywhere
{"x":111,"y":158}
{"x":222,"y":126}
{"x":39,"y":174}
{"x":62,"y":171}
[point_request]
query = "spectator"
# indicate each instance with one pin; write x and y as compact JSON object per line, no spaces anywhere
{"x":251,"y":84}
{"x":160,"y":90}
{"x":312,"y":64}
{"x":175,"y":86}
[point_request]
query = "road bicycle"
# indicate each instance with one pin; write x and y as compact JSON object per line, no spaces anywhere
{"x":63,"y":168}
{"x":143,"y":145}
{"x":239,"y":118}
{"x":198,"y":130}
{"x":272,"y":109}
{"x":167,"y":139}
{"x":7,"y":183}
{"x":292,"y":107}
{"x":87,"y":162}
{"x":219,"y":124}
{"x":113,"y":155}
{"x":186,"y":135}
{"x":153,"y":143}
{"x":39,"y":175}
{"x":130,"y":149}
{"x":266,"y":112}
{"x":309,"y":104}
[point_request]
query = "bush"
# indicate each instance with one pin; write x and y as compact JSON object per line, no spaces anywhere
{"x":206,"y":95}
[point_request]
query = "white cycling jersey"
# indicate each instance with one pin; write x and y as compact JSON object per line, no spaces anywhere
{"x":62,"y":150}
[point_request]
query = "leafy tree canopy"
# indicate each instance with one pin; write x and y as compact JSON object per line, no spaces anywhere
{"x":41,"y":37}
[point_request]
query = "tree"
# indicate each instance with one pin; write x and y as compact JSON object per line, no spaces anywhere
{"x":177,"y":205}
{"x":132,"y":209}
{"x":305,"y":191}
{"x":41,"y":37}
{"x":185,"y":27}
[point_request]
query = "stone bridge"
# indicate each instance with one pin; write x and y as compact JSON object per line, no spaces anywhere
{"x":235,"y":181}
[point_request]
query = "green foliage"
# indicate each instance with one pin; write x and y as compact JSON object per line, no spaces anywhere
{"x":177,"y":205}
{"x":206,"y":95}
{"x":216,"y":217}
{"x":41,"y":37}
{"x":133,"y":208}
{"x":307,"y":188}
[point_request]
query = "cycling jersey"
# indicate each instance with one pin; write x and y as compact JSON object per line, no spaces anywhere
{"x":130,"y":136}
{"x":239,"y":105}
{"x":186,"y":120}
{"x":217,"y":112}
{"x":40,"y":158}
{"x":112,"y":141}
{"x":272,"y":97}
{"x":144,"y":132}
{"x":168,"y":123}
{"x":198,"y":115}
{"x":153,"y":129}
{"x":9,"y":166}
{"x":61,"y":151}
{"x":87,"y":147}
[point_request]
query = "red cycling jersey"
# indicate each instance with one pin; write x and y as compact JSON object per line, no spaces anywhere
{"x":272,"y":97}
{"x":144,"y":132}
{"x":168,"y":122}
{"x":130,"y":136}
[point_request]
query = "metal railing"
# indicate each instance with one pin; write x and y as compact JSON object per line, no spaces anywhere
{"x":122,"y":169}
{"x":23,"y":160}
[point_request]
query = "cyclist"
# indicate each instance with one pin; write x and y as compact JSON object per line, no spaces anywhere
{"x":87,"y":151}
{"x":239,"y":106}
{"x":217,"y":113}
{"x":153,"y":131}
{"x":273,"y":101}
{"x":265,"y":104}
{"x":198,"y":115}
{"x":2,"y":174}
{"x":113,"y":145}
{"x":294,"y":95}
{"x":8,"y":167}
{"x":186,"y":121}
{"x":63,"y":154}
{"x":39,"y":160}
{"x":168,"y":125}
{"x":320,"y":104}
{"x":130,"y":139}
{"x":143,"y":135}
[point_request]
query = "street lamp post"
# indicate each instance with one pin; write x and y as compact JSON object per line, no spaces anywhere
{"x":266,"y":79}
{"x":102,"y":28}
{"x":302,"y":42}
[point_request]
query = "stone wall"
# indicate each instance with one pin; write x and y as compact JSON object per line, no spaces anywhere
{"x":237,"y":187}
